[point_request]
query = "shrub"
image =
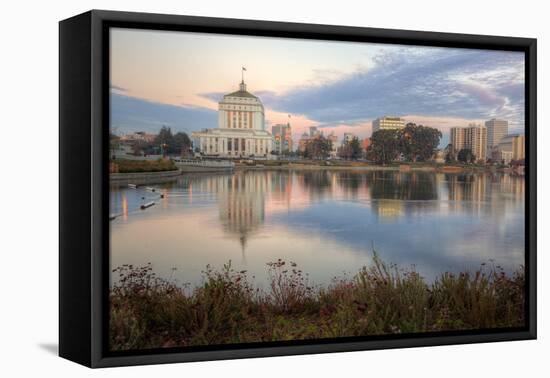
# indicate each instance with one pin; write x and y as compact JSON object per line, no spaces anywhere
{"x":150,"y":312}
{"x":135,"y":166}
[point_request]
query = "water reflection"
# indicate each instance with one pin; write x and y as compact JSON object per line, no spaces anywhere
{"x":241,"y":202}
{"x":327,"y":221}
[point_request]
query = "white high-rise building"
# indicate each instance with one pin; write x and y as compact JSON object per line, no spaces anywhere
{"x":241,"y":128}
{"x":473,"y":137}
{"x":496,"y":130}
{"x":388,"y":123}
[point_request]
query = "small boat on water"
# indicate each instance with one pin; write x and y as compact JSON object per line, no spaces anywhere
{"x":199,"y":165}
{"x":146,"y":205}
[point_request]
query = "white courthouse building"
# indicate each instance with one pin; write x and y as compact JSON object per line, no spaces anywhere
{"x":241,"y":128}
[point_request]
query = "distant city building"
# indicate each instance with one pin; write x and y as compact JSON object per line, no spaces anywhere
{"x":121,"y":151}
{"x":282,"y":138}
{"x":388,"y":123}
{"x":496,"y":130}
{"x":241,"y":128}
{"x":138,"y":136}
{"x":510,"y":148}
{"x":439,"y":156}
{"x":302,"y":143}
{"x":473,"y":137}
{"x":518,"y":147}
{"x":348,"y":137}
{"x":313,"y":131}
{"x":334,"y":143}
{"x":365,"y":143}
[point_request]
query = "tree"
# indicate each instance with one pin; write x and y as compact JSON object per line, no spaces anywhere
{"x":318,"y":148}
{"x":182,"y":143}
{"x":165,"y":140}
{"x":355,"y":147}
{"x":450,"y":155}
{"x":140,"y":147}
{"x":465,"y":155}
{"x":351,"y":149}
{"x":114,"y":143}
{"x":418,"y":143}
{"x":384,"y":147}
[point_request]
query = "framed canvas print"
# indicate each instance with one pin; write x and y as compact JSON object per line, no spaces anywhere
{"x":235,"y":188}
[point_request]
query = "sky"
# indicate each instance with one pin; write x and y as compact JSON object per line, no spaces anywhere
{"x":177,"y":78}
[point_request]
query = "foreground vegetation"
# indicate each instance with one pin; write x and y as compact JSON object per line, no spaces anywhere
{"x":133,"y":166}
{"x":150,"y":312}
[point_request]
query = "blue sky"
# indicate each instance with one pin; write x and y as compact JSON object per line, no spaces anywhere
{"x":176,"y":79}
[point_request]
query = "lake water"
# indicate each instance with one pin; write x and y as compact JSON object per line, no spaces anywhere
{"x":325,"y":221}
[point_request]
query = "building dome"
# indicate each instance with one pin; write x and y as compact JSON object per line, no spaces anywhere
{"x":241,"y":110}
{"x":242,"y":92}
{"x":241,"y":128}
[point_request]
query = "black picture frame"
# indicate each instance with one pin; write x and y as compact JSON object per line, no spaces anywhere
{"x":83,"y":180}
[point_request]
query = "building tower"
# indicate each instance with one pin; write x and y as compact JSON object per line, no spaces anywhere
{"x":496,"y":130}
{"x":241,"y":128}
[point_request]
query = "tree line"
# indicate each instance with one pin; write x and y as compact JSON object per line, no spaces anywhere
{"x":320,"y":147}
{"x":413,"y":143}
{"x":164,"y":143}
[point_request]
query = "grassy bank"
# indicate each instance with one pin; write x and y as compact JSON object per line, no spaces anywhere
{"x":150,"y":312}
{"x":135,"y":166}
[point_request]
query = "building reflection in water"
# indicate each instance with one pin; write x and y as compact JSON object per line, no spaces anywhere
{"x":493,"y":193}
{"x":124,"y":208}
{"x":324,"y":219}
{"x":395,"y":194}
{"x":241,"y":204}
{"x":245,"y":198}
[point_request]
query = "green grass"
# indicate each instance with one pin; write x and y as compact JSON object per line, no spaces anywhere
{"x":150,"y":312}
{"x":134,"y":166}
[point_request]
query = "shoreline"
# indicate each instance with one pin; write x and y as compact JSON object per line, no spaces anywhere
{"x":159,"y":177}
{"x":397,"y":168}
{"x":140,"y":178}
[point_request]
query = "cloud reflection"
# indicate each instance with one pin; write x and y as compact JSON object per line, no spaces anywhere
{"x":328,"y":221}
